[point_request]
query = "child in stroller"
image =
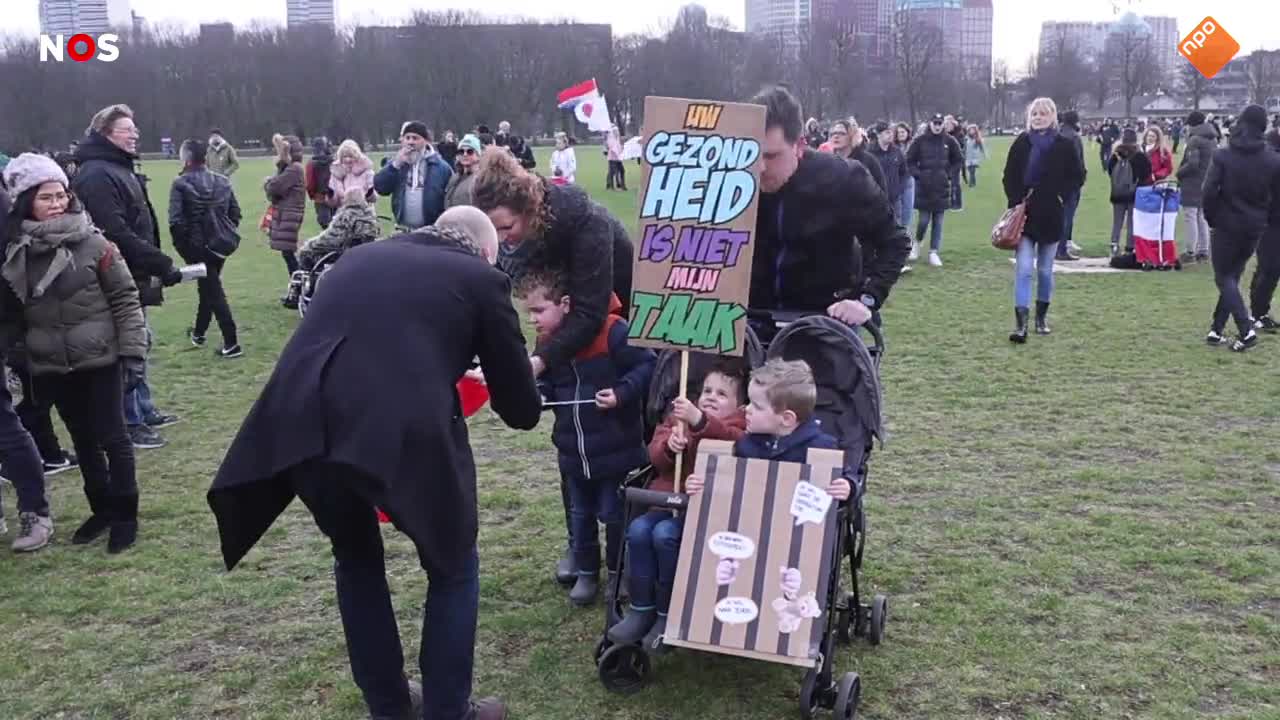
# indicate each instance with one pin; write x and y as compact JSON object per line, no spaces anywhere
{"x":354,"y":225}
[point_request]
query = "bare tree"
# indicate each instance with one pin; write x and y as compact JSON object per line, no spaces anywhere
{"x":1192,"y":82}
{"x":1061,"y":72}
{"x":1264,"y":75}
{"x":1132,"y":60}
{"x":917,"y":54}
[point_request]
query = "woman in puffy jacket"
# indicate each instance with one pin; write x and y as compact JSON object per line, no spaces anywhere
{"x":287,"y":191}
{"x":84,"y":335}
{"x":351,"y":170}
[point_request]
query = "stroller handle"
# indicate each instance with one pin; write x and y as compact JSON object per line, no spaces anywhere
{"x":782,"y":318}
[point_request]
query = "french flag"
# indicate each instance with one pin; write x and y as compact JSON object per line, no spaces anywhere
{"x":571,"y":97}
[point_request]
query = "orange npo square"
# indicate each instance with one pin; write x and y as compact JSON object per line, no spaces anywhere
{"x":1209,"y":47}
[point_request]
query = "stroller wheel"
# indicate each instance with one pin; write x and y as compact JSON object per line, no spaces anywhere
{"x":601,"y":648}
{"x":879,"y":615}
{"x":848,"y":697}
{"x":624,"y":669}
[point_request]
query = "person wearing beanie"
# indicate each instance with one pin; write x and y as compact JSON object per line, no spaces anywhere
{"x":115,"y":197}
{"x":892,"y":163}
{"x":354,"y":225}
{"x":1129,"y":169}
{"x":203,"y":221}
{"x":317,"y":175}
{"x":416,"y":178}
{"x":86,"y":339}
{"x":1241,"y":192}
{"x":222,"y":157}
{"x":1202,"y":141}
{"x":1266,"y":275}
{"x":458,"y":191}
{"x":1070,"y":129}
{"x":287,"y":192}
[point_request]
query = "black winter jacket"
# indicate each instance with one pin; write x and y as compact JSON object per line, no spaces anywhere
{"x":1063,"y":173}
{"x":594,"y":443}
{"x":1242,"y":188}
{"x":828,"y":234}
{"x":116,"y":199}
{"x":518,"y":147}
{"x":934,"y":159}
{"x":864,"y":156}
{"x":1202,"y":142}
{"x":195,"y":193}
{"x":893,"y":165}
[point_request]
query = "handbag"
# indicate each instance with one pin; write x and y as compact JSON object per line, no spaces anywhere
{"x":1007,"y":232}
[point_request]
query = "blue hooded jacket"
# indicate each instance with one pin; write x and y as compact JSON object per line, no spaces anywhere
{"x":790,"y":448}
{"x":390,"y":180}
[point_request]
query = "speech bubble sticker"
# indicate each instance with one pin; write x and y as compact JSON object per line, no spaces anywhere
{"x":727,"y":544}
{"x":736,"y":610}
{"x":810,"y":504}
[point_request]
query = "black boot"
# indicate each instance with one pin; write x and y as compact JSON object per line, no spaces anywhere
{"x":585,"y":590}
{"x":566,"y":572}
{"x":97,"y":523}
{"x":1042,"y":315}
{"x":1019,"y":335}
{"x":124,"y":524}
{"x":653,"y":639}
{"x":633,"y":627}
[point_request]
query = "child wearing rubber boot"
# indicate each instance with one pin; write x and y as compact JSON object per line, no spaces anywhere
{"x":599,"y":428}
{"x":653,"y":539}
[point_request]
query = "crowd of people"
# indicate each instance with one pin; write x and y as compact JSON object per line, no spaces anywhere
{"x":82,"y":264}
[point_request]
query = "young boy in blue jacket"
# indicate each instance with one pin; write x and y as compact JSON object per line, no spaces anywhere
{"x":782,"y":397}
{"x":599,"y":431}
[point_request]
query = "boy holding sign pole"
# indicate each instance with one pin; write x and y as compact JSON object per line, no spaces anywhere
{"x":600,"y":442}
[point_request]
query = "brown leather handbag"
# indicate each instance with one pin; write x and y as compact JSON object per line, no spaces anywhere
{"x":1007,"y":232}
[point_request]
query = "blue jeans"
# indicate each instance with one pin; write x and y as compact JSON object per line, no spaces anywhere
{"x":1070,"y":203}
{"x":653,"y":545}
{"x":1037,"y":258}
{"x":20,"y":458}
{"x":973,"y":175}
{"x":931,"y":220}
{"x":447,"y":653}
{"x":138,"y":407}
{"x":591,"y":501}
{"x":907,"y":202}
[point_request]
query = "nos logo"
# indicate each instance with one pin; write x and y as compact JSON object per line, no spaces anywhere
{"x":81,"y":47}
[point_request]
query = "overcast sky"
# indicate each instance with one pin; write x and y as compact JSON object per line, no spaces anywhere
{"x":1017,"y":22}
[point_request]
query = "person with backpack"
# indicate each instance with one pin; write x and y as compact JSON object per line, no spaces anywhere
{"x":1129,"y":169}
{"x":203,"y":221}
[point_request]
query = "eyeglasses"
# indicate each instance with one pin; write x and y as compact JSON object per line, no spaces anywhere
{"x":61,"y":197}
{"x":468,"y":151}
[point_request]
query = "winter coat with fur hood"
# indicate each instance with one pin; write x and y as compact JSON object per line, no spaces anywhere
{"x":359,"y":177}
{"x":287,"y":192}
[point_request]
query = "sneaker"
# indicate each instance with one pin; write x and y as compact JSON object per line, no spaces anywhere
{"x":160,"y":420}
{"x":1067,"y":255}
{"x":1074,"y":248}
{"x":144,"y":438}
{"x":68,"y":463}
{"x":1202,"y":257}
{"x":1266,"y":324}
{"x":934,"y":260}
{"x":196,"y":340}
{"x":1244,"y":343}
{"x":34,"y":534}
{"x":915,"y":251}
{"x":230,"y":352}
{"x":905,"y":269}
{"x":1215,"y":338}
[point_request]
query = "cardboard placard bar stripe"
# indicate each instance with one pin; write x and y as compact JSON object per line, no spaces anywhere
{"x":766,"y":534}
{"x":692,"y":559}
{"x":735,"y":517}
{"x":829,"y":553}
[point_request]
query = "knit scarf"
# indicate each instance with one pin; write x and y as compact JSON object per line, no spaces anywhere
{"x":40,"y":237}
{"x":1041,"y":141}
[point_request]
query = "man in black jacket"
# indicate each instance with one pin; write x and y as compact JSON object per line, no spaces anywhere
{"x":362,"y":411}
{"x":826,"y":239}
{"x":116,"y":198}
{"x":1240,"y":196}
{"x":1107,"y":137}
{"x":516,"y":145}
{"x":1267,"y":273}
{"x":203,"y":217}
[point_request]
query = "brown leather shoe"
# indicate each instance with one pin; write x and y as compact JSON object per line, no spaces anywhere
{"x":488,"y":709}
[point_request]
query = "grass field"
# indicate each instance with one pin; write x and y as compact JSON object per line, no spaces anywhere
{"x":1084,"y":527}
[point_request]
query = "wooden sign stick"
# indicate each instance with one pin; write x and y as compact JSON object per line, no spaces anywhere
{"x":684,"y":389}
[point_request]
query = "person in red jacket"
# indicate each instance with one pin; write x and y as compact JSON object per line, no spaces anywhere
{"x":1161,"y":158}
{"x":653,"y":539}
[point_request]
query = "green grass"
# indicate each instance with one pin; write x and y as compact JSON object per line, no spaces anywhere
{"x":1085,"y":527}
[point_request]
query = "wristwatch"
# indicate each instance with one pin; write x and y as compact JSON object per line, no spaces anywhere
{"x":868,"y":300}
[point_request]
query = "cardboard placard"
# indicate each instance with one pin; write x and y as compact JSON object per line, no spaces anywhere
{"x":756,"y":557}
{"x":692,"y":272}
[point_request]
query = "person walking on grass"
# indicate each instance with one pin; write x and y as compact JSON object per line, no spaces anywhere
{"x":1202,"y":141}
{"x":848,"y":141}
{"x":115,"y":197}
{"x":1043,"y":167}
{"x":287,"y":193}
{"x":934,"y":160}
{"x":318,"y":171}
{"x":1069,"y":128}
{"x":892,"y":164}
{"x":1262,"y":288}
{"x":616,"y":179}
{"x":203,"y":221}
{"x":84,"y":333}
{"x":975,"y":153}
{"x":955,"y":129}
{"x":1241,"y":193}
{"x":1129,"y":169}
{"x":902,"y":135}
{"x":221,"y":156}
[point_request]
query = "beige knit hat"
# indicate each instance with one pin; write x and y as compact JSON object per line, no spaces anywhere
{"x":30,"y":170}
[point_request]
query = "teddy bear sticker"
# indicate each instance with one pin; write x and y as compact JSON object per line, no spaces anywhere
{"x":793,"y":608}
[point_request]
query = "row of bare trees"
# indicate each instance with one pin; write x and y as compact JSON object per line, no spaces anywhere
{"x":455,"y":70}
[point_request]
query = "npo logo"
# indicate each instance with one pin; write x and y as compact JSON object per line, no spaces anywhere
{"x":1209,"y":47}
{"x":81,"y":47}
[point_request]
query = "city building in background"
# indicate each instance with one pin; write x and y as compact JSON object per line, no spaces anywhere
{"x":787,"y":20}
{"x":976,"y":39}
{"x":1089,"y":39}
{"x":67,"y":17}
{"x":310,"y":12}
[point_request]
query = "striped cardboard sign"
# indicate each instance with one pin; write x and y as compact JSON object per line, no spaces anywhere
{"x":755,"y":559}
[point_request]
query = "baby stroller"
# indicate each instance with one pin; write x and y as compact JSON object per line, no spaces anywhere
{"x":846,"y":372}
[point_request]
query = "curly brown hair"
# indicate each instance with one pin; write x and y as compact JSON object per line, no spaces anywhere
{"x":501,"y":182}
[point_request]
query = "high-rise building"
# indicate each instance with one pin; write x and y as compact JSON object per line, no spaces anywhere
{"x":1090,"y":38}
{"x":787,"y":20}
{"x":869,"y":22}
{"x":976,"y":41}
{"x":310,"y":12}
{"x":1164,"y":44}
{"x":67,"y":17}
{"x":1086,"y":38}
